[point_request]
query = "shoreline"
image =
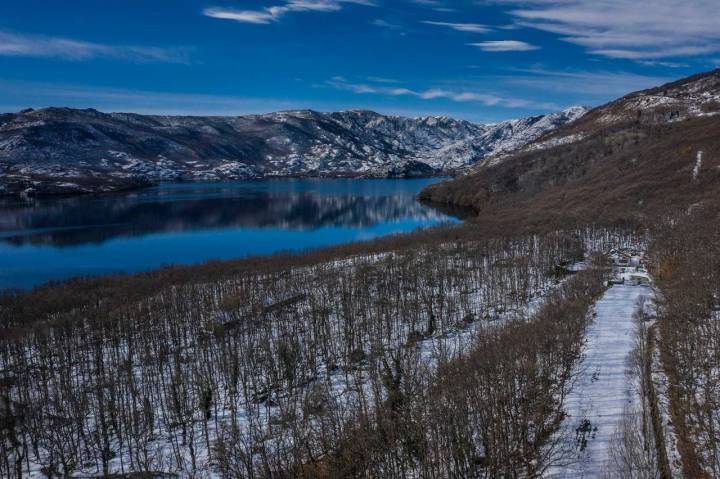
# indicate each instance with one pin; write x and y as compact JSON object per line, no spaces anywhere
{"x":296,"y":234}
{"x":47,"y":189}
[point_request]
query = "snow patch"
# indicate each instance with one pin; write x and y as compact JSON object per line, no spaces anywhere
{"x":698,"y":164}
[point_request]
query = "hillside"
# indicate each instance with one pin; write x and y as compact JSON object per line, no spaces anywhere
{"x":648,"y":153}
{"x":62,"y":150}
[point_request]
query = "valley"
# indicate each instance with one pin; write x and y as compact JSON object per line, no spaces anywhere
{"x":568,"y":327}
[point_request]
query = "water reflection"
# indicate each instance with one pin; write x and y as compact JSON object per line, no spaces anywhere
{"x":284,"y":204}
{"x":55,"y":238}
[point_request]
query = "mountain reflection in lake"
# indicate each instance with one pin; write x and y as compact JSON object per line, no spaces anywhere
{"x":55,"y":238}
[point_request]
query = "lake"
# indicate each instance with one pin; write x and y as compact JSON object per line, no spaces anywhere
{"x":49,"y":239}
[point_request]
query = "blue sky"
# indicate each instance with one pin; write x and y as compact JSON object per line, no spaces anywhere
{"x":478,"y":60}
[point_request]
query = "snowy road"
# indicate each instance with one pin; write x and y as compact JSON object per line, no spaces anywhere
{"x":602,"y":390}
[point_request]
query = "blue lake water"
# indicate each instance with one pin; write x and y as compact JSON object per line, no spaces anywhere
{"x":58,"y":238}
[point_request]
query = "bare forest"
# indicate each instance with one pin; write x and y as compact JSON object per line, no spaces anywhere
{"x":444,"y":359}
{"x":688,"y":272}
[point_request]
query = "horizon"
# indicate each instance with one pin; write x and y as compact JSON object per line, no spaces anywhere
{"x":483,"y":61}
{"x":107,"y":112}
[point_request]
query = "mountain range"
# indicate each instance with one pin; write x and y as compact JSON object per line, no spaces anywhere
{"x":63,"y":150}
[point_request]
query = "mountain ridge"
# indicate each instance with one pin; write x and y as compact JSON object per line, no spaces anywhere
{"x":642,"y":155}
{"x":65,"y":150}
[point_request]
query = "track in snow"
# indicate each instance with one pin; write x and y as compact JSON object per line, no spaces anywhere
{"x":603,"y":389}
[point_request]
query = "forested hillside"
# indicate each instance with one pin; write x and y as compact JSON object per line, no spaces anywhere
{"x":335,"y":366}
{"x":650,"y":153}
{"x":460,"y":351}
{"x":649,"y":160}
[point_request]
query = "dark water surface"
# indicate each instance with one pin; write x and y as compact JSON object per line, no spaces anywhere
{"x":58,"y":238}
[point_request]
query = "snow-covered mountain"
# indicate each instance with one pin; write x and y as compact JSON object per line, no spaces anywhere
{"x":62,"y":150}
{"x":644,"y":154}
{"x":697,"y":96}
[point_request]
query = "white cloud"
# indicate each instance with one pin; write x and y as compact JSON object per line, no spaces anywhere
{"x":627,"y":28}
{"x":274,"y":13}
{"x":21,"y":45}
{"x":504,"y":46}
{"x":247,"y":16}
{"x":487,"y":99}
{"x":461,"y":27}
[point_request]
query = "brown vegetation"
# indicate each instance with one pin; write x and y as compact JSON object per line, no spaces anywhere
{"x":690,"y":334}
{"x":302,"y":365}
{"x":624,"y":174}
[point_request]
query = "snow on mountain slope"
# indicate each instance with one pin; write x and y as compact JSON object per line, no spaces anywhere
{"x":445,"y":143}
{"x":693,"y":97}
{"x":94,"y":151}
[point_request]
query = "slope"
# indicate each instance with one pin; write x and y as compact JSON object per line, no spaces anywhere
{"x":634,"y":157}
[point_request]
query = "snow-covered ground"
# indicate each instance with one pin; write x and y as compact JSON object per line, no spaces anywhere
{"x":345,"y":385}
{"x":698,"y":164}
{"x":603,"y":390}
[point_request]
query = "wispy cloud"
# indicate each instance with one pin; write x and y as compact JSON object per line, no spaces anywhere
{"x":382,"y":23}
{"x":627,"y":29}
{"x":461,"y":27}
{"x":395,"y":28}
{"x":247,"y":16}
{"x":381,"y":79}
{"x":274,"y":13}
{"x":487,"y":99}
{"x":42,"y":94}
{"x":504,"y":46}
{"x":436,"y":5}
{"x":592,"y":85}
{"x":22,"y":45}
{"x":657,"y":63}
